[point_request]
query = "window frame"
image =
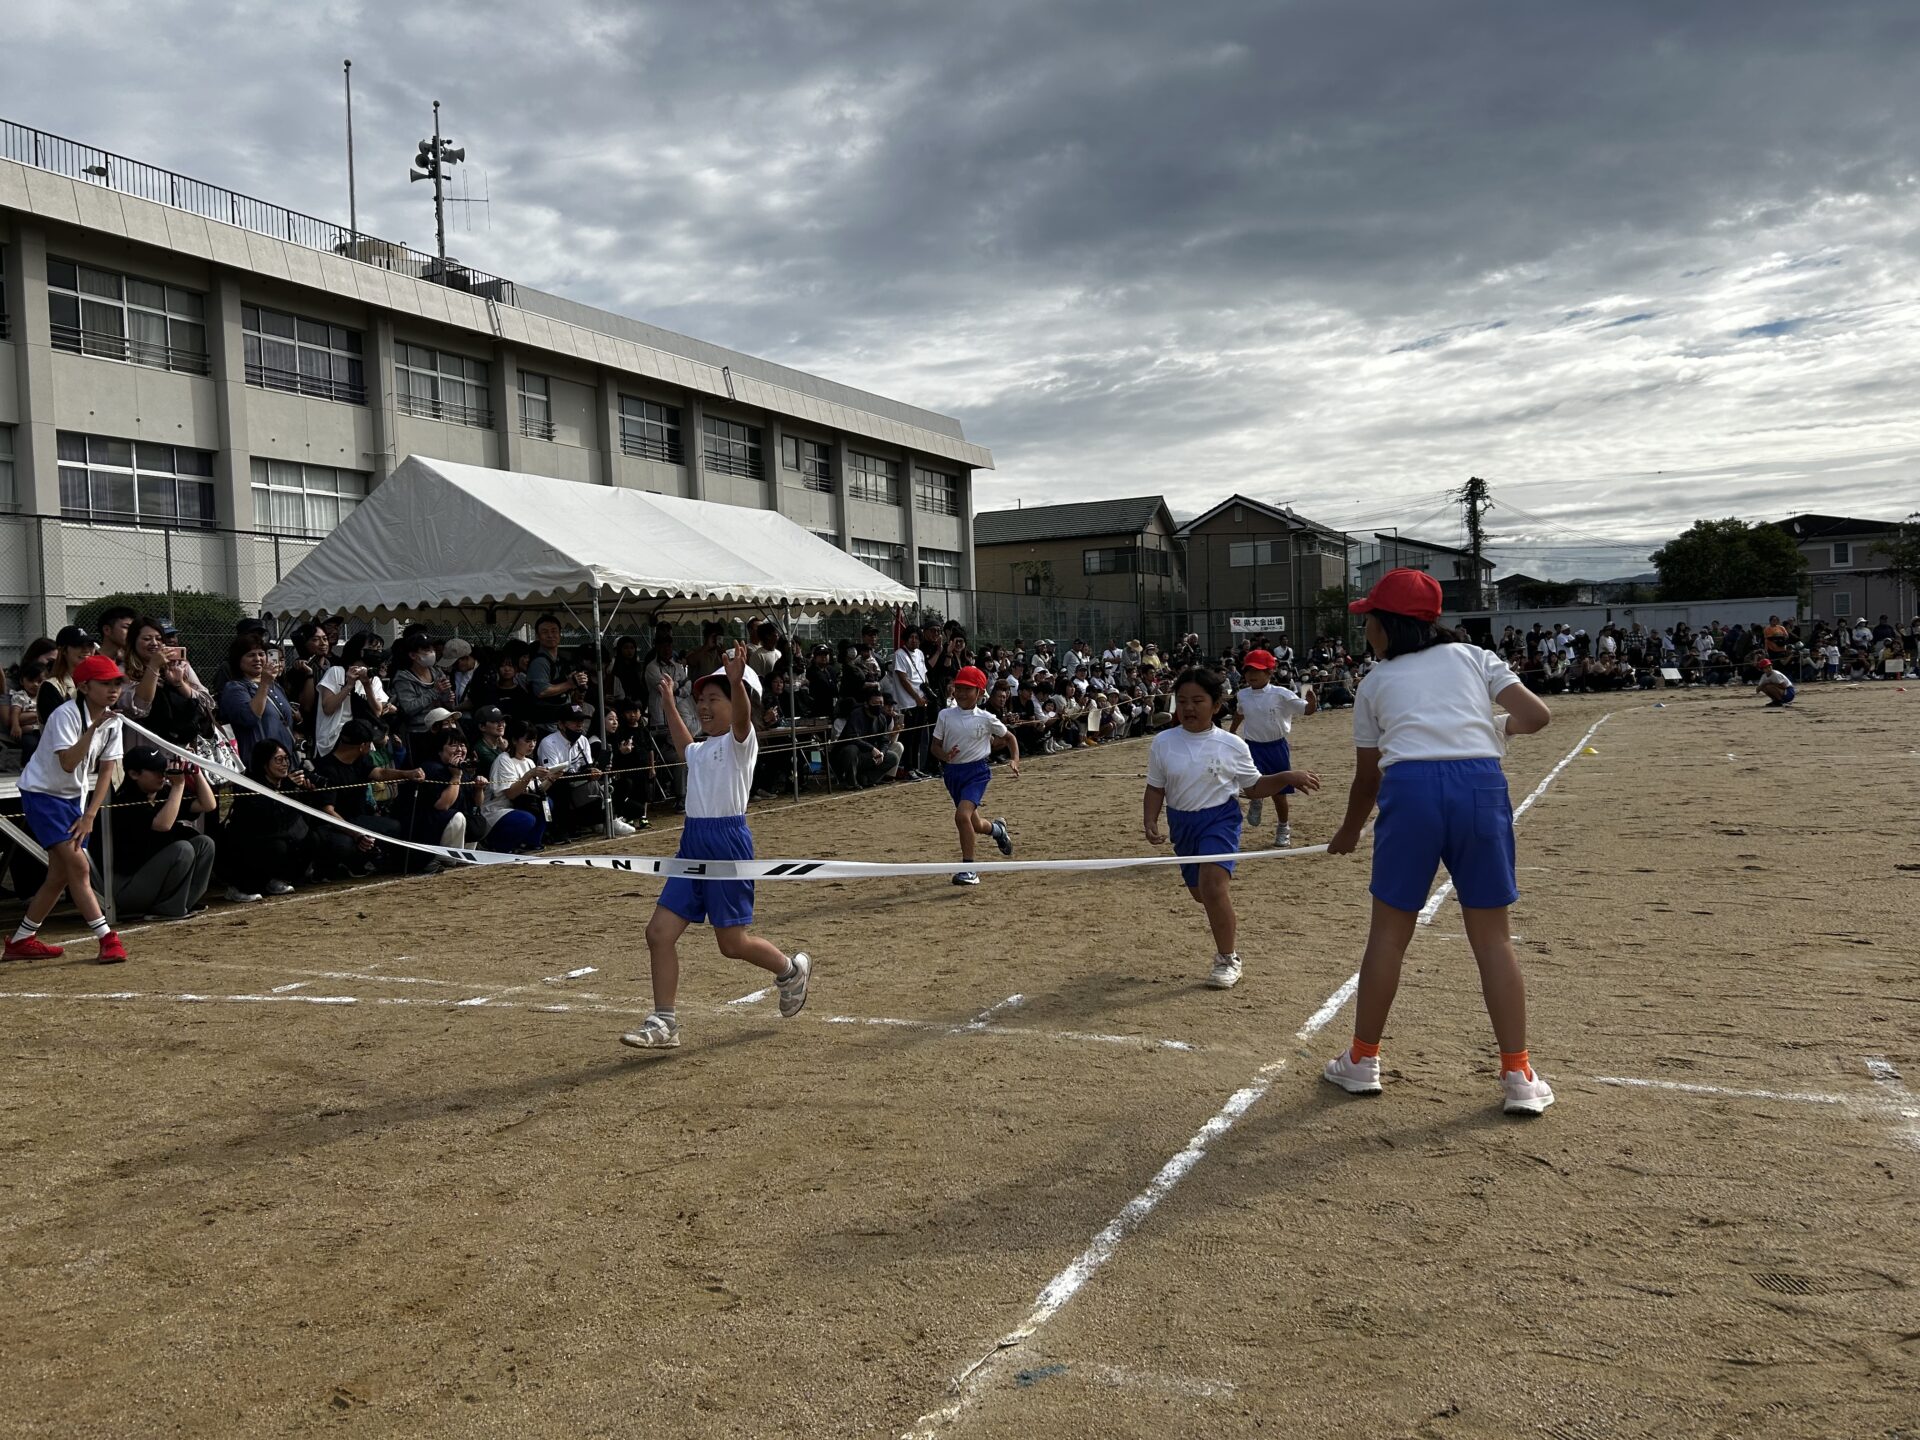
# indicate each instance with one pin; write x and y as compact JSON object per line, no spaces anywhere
{"x":812,"y":459}
{"x":876,"y":486}
{"x":1092,"y":564}
{"x":421,"y":390}
{"x":142,"y":475}
{"x":75,"y":337}
{"x":1843,"y":605}
{"x":1841,"y":555}
{"x":640,"y":442}
{"x":536,"y":406}
{"x":935,"y":491}
{"x":889,"y":558}
{"x":264,"y":481}
{"x":9,"y":476}
{"x":944,"y":561}
{"x":345,"y":351}
{"x":740,"y":451}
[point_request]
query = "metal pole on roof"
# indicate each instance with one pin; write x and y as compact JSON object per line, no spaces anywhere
{"x":600,"y":672}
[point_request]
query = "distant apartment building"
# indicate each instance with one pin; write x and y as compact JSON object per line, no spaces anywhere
{"x":1248,"y":558}
{"x":196,"y":386}
{"x":1116,"y":552}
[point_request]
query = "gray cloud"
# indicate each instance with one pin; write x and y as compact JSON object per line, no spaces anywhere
{"x":1336,"y":253}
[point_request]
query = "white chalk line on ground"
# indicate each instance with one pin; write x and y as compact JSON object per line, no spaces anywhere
{"x":1068,"y":1283}
{"x":1888,"y":1078}
{"x":979,"y":1022}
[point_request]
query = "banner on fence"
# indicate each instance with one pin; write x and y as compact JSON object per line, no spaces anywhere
{"x":1257,"y":624}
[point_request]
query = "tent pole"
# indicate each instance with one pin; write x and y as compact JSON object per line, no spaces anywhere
{"x":793,"y":720}
{"x":600,"y":674}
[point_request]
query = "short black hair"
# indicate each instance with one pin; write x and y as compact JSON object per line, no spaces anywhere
{"x":1207,"y":680}
{"x":1408,"y":636}
{"x":113,"y":614}
{"x":355,"y":732}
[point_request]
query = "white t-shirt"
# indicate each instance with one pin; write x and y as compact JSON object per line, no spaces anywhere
{"x":1268,"y":712}
{"x":971,"y":731}
{"x":45,"y":774}
{"x":1607,"y":646}
{"x":1200,"y":771}
{"x":720,"y":775}
{"x":561,"y":751}
{"x":908,"y":664}
{"x":1435,"y":704}
{"x":327,"y":728}
{"x":506,"y":774}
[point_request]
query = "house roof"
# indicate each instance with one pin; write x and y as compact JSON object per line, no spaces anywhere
{"x":1413,"y":542}
{"x":1065,"y":522}
{"x":1820,"y":527}
{"x":1519,"y":577}
{"x":1286,"y":515}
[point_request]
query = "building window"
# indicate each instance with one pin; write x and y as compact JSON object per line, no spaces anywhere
{"x":870,"y":477}
{"x":122,"y":483}
{"x":305,"y":500}
{"x":536,"y":406}
{"x":832,"y":537}
{"x":732,"y":448}
{"x":122,"y":317}
{"x":308,"y":357}
{"x":437,"y":386}
{"x":889,"y":560}
{"x":650,"y":431}
{"x":1031,"y":585}
{"x":936,"y":493}
{"x":9,"y":497}
{"x":812,"y":458}
{"x":940,"y":569}
{"x":1842,"y":604}
{"x":1112,"y":560}
{"x":1842,"y":552}
{"x":1244,"y":553}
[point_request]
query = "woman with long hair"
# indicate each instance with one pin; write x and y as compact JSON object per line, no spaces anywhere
{"x":268,"y":843}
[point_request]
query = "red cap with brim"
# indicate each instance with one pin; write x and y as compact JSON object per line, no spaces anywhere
{"x":1412,"y":593}
{"x":971,"y":675}
{"x":1259,"y":660}
{"x":96,"y":667}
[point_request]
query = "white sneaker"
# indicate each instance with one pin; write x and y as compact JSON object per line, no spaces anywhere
{"x":1356,"y":1077}
{"x":1225,"y":973}
{"x":966,"y":877}
{"x":793,"y":990}
{"x":279,"y":887}
{"x":656,"y":1032}
{"x":1255,"y":810}
{"x":621,"y":828}
{"x":239,"y":896}
{"x":1527,"y":1094}
{"x":1283,"y":837}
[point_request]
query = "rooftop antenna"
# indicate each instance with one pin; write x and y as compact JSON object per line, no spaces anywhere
{"x":353,"y":210}
{"x":434,"y":157}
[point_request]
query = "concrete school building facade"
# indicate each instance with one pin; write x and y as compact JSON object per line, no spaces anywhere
{"x":189,"y":400}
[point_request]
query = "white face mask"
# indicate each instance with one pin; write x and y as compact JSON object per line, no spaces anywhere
{"x":428,"y":658}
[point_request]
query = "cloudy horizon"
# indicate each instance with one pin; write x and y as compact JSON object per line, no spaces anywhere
{"x":1635,"y":264}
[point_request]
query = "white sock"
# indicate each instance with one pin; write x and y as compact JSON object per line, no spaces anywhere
{"x":28,"y":929}
{"x":100,"y":928}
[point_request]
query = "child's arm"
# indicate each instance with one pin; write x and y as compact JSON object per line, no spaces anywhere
{"x":1274,"y":784}
{"x":1311,"y":695}
{"x":1013,"y":753}
{"x":1366,"y":790}
{"x":736,"y":668}
{"x":1155,"y":798}
{"x":82,"y":827}
{"x":1527,"y":713}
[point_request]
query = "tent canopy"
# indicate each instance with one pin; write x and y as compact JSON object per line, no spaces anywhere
{"x":440,"y":537}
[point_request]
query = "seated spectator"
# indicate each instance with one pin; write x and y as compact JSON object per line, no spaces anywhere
{"x":162,"y":866}
{"x":21,"y":720}
{"x":869,"y":746}
{"x":343,"y":786}
{"x":438,"y":809}
{"x":516,"y":808}
{"x":266,"y":846}
{"x":252,"y":703}
{"x":576,"y":799}
{"x":822,"y":685}
{"x":489,"y":738}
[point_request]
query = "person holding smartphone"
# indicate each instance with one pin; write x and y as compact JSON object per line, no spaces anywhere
{"x":162,"y":865}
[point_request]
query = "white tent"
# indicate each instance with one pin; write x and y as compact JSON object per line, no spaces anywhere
{"x":436,"y":536}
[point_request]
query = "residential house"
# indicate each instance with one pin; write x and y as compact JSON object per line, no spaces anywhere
{"x":1248,"y":558}
{"x":1844,"y":559}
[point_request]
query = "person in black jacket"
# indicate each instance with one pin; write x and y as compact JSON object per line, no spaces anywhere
{"x":268,"y":844}
{"x":162,"y":866}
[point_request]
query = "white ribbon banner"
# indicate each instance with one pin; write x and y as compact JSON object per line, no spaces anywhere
{"x":671,"y":866}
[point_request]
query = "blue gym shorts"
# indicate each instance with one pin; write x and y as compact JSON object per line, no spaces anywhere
{"x":1205,"y":832}
{"x":1786,"y":699}
{"x":1454,"y":812}
{"x":1272,"y":756}
{"x":718,"y":903}
{"x":967,"y":781}
{"x":49,"y":817}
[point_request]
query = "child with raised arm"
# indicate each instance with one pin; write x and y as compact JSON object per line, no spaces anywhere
{"x":1427,"y":746}
{"x":1199,"y":772}
{"x":719,"y":775}
{"x":963,"y":738}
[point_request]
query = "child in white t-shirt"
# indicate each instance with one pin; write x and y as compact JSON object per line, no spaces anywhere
{"x":1265,"y":714}
{"x":719,"y":777}
{"x":1427,"y":746}
{"x":963,"y":738}
{"x":1198,"y":772}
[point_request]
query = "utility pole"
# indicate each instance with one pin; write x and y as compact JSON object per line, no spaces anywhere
{"x":434,"y":159}
{"x":1473,"y":496}
{"x":353,"y":208}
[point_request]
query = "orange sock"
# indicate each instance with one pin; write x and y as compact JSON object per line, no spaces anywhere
{"x":1362,"y":1050}
{"x":1515,"y":1060}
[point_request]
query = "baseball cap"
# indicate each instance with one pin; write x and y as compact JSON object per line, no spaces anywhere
{"x":96,"y":667}
{"x":753,"y":680}
{"x":489,"y":715}
{"x":143,"y":757}
{"x":1764,"y":663}
{"x":1412,"y":593}
{"x":576,"y":712}
{"x":1259,"y":660}
{"x":452,"y":650}
{"x":72,"y":635}
{"x":971,"y":675}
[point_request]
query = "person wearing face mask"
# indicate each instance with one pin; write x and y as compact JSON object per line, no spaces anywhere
{"x":418,"y":687}
{"x":868,"y":749}
{"x":252,"y":703}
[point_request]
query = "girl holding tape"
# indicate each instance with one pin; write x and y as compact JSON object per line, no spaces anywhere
{"x":1427,"y":745}
{"x":719,"y":776}
{"x":1198,"y":772}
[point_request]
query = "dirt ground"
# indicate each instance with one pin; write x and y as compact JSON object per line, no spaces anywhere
{"x":456,"y":1206}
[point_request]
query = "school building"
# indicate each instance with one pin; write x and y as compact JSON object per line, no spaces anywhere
{"x":196,"y":386}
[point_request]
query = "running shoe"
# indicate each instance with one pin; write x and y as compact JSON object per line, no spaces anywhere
{"x":656,"y":1032}
{"x":239,"y":896}
{"x":621,"y":829}
{"x":1256,"y":810}
{"x":1526,"y":1092}
{"x":1225,"y":973}
{"x":1283,"y":837}
{"x":793,"y":989}
{"x":1001,"y":838}
{"x":1356,"y":1077}
{"x":113,"y":950}
{"x":279,"y":887}
{"x":32,"y":948}
{"x":966,"y":877}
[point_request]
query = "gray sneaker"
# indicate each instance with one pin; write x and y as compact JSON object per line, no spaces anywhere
{"x":1256,"y":810}
{"x":966,"y":877}
{"x":239,"y":896}
{"x":279,"y":887}
{"x":1225,"y":973}
{"x":1002,"y":838}
{"x":656,"y":1032}
{"x":793,"y":990}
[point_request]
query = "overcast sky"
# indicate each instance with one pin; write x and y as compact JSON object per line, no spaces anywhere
{"x":1633,"y":261}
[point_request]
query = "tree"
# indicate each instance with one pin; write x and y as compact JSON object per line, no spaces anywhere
{"x":205,"y":621}
{"x":1729,"y":560}
{"x":1330,"y":615}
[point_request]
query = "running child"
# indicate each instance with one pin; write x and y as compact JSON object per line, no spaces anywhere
{"x":78,"y":746}
{"x":719,"y":775}
{"x":1199,"y":772}
{"x":1427,"y":746}
{"x":963,"y":740}
{"x":1267,"y":711}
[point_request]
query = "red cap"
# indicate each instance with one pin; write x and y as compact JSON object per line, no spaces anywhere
{"x":1259,"y":660}
{"x":973,"y":676}
{"x":1763,"y":664}
{"x":1412,"y":593}
{"x":97,"y":667}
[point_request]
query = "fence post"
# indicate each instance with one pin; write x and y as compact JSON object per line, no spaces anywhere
{"x":166,"y":540}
